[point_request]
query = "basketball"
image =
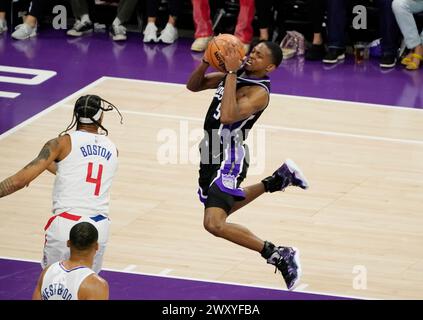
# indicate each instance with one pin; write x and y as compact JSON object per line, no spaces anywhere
{"x":216,"y":49}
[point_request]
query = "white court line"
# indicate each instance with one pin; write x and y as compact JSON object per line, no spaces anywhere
{"x":7,"y":94}
{"x":266,"y":126}
{"x":130,"y":267}
{"x":330,"y":133}
{"x":205,"y":280}
{"x":301,"y":287}
{"x":355,"y":103}
{"x":49,"y":109}
{"x":165,"y":271}
{"x":311,"y":131}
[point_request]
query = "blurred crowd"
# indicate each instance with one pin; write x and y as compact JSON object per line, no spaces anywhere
{"x":256,"y":20}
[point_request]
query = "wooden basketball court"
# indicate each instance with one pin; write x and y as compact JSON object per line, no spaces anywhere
{"x":359,"y":226}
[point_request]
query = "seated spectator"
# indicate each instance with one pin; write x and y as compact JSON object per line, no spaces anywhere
{"x":170,"y":33}
{"x":3,"y":23}
{"x":28,"y":28}
{"x":83,"y":24}
{"x":404,"y":10}
{"x":125,"y":10}
{"x":317,"y":13}
{"x":337,"y":16}
{"x":203,"y":24}
{"x":265,"y":15}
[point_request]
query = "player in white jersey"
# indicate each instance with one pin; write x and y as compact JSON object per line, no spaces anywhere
{"x":84,"y":163}
{"x":73,"y":279}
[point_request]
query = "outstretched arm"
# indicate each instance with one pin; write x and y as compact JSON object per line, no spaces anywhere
{"x":22,"y":178}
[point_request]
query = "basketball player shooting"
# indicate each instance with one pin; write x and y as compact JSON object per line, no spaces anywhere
{"x":242,"y":94}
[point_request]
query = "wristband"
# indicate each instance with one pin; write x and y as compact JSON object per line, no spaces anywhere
{"x":231,"y":72}
{"x":204,"y":61}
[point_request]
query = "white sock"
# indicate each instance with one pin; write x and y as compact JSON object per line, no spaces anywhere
{"x":116,"y":22}
{"x":85,"y":18}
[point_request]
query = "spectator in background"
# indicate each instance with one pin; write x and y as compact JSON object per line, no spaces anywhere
{"x":3,"y":23}
{"x":203,"y":24}
{"x":170,"y":33}
{"x":404,"y":10}
{"x":317,"y":13}
{"x":265,"y":10}
{"x":28,"y":28}
{"x":83,"y":24}
{"x":125,"y":11}
{"x":337,"y":18}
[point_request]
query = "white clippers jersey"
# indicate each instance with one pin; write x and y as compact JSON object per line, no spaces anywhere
{"x":84,"y":177}
{"x":62,"y":284}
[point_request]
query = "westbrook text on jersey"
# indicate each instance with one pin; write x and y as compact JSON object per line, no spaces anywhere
{"x":58,"y":290}
{"x":95,"y":150}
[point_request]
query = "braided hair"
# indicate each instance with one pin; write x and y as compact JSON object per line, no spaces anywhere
{"x":88,"y":110}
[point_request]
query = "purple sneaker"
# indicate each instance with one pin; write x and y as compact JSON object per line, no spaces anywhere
{"x":289,"y":174}
{"x":287,"y":261}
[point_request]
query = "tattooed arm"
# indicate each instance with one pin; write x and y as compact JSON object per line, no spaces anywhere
{"x":22,"y":178}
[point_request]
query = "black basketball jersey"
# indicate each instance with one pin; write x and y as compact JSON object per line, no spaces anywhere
{"x":217,"y":133}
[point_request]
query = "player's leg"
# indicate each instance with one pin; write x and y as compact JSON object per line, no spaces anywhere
{"x":102,"y":225}
{"x":251,"y":193}
{"x":218,"y":206}
{"x":215,"y":214}
{"x":287,"y":174}
{"x":56,"y":236}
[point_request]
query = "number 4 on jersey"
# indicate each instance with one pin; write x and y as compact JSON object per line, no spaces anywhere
{"x":96,"y":181}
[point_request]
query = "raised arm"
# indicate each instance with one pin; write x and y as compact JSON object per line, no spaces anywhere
{"x":236,"y":107}
{"x":50,"y":152}
{"x":199,"y":80}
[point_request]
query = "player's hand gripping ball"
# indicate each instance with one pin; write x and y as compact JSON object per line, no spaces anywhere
{"x":216,"y":50}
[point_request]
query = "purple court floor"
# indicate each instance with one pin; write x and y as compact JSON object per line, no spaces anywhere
{"x":80,"y":61}
{"x":22,"y":275}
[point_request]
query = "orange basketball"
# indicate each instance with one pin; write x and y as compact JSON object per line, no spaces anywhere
{"x":216,"y":49}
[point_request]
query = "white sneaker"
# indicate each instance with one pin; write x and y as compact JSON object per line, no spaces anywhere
{"x":80,"y":28}
{"x":118,"y":32}
{"x":200,"y":44}
{"x":169,"y":34}
{"x":150,"y":33}
{"x":3,"y":26}
{"x":24,"y":31}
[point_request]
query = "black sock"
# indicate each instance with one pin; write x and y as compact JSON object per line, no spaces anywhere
{"x":267,"y":250}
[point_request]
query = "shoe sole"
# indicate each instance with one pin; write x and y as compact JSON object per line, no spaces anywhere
{"x":79,"y":34}
{"x":299,"y":270}
{"x":120,"y":38}
{"x":339,"y":58}
{"x":387,"y":65}
{"x":294,"y":169}
{"x":29,"y":37}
